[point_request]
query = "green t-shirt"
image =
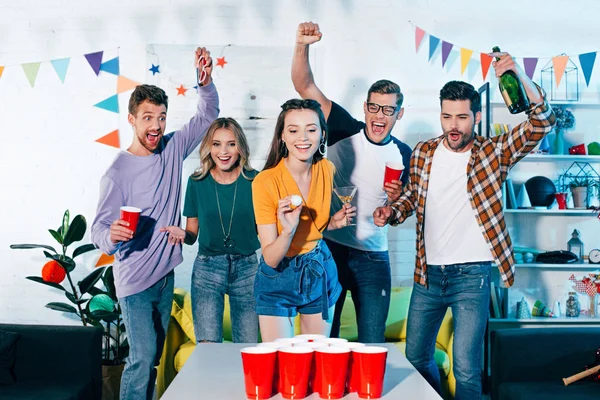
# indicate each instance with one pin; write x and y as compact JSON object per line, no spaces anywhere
{"x":201,"y":203}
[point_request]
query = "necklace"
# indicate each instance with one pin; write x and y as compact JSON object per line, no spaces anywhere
{"x":228,"y":242}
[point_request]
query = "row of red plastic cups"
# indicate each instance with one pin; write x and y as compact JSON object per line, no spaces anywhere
{"x":296,"y":367}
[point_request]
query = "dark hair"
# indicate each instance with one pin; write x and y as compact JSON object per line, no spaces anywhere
{"x":458,"y":90}
{"x":151,"y":93}
{"x":384,"y":86}
{"x":278,"y":150}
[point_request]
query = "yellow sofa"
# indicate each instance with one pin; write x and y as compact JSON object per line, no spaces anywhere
{"x":181,"y":340}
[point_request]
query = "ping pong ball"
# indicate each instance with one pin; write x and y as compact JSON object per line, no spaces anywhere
{"x":296,"y":200}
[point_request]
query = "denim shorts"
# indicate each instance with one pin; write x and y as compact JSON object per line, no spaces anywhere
{"x":305,"y":284}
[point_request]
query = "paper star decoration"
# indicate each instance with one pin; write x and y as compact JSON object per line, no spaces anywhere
{"x":155,"y":69}
{"x":181,"y":90}
{"x":221,"y":62}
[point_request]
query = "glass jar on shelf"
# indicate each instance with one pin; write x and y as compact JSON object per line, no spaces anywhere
{"x":572,"y":307}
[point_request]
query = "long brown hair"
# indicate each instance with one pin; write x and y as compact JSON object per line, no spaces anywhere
{"x":206,"y":161}
{"x":278,"y":148}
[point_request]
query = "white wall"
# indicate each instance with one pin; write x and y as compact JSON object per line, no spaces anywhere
{"x":49,"y":161}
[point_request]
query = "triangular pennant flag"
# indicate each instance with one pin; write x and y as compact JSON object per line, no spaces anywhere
{"x":433,"y":43}
{"x":1,"y":70}
{"x":465,"y":57}
{"x":560,"y":64}
{"x":530,"y":63}
{"x":486,"y":61}
{"x":60,"y":66}
{"x":105,"y":259}
{"x":111,"y":66}
{"x":125,"y":84}
{"x":110,"y":104}
{"x":112,"y":139}
{"x":446,"y":48}
{"x":586,"y":60}
{"x":419,"y":35}
{"x":31,"y":71}
{"x":95,"y":60}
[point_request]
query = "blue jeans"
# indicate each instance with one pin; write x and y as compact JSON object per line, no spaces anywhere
{"x":212,"y":278}
{"x":146,"y":317}
{"x":466,"y":289}
{"x":367,"y":275}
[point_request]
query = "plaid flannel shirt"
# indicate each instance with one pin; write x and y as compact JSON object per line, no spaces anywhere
{"x":491,"y":160}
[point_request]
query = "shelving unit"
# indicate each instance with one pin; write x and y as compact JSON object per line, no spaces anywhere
{"x":581,"y":320}
{"x":569,"y":212}
{"x":570,"y":266}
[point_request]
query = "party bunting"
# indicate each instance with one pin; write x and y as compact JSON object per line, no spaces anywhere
{"x":530,"y":63}
{"x":111,"y":66}
{"x":95,"y":60}
{"x":1,"y":70}
{"x":60,"y":66}
{"x":31,"y":71}
{"x":433,"y":43}
{"x":465,"y":57}
{"x":105,"y":259}
{"x":125,"y":84}
{"x":446,"y":48}
{"x":586,"y":60}
{"x":560,"y":64}
{"x":110,"y":104}
{"x":486,"y":61}
{"x":419,"y":35}
{"x":112,"y":139}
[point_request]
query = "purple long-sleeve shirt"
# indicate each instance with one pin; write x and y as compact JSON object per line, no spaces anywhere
{"x":153,"y":184}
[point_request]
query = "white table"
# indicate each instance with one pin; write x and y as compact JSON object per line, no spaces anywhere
{"x":214,"y":371}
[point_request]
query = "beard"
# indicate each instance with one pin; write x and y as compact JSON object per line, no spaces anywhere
{"x":464,"y":139}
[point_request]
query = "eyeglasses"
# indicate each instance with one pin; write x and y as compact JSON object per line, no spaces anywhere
{"x":374,"y":108}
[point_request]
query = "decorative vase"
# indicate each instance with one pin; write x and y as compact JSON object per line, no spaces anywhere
{"x":559,"y":142}
{"x":572,"y":307}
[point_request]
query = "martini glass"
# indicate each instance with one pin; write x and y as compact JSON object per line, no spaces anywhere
{"x":345,"y":194}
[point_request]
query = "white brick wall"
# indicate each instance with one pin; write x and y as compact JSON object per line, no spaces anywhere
{"x":48,"y":158}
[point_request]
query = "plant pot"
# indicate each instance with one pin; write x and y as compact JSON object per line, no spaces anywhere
{"x":579,"y":196}
{"x":111,"y":381}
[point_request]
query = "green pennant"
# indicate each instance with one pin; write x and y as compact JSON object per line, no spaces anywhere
{"x":31,"y":71}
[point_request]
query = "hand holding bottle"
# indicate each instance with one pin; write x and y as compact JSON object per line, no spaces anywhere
{"x":505,"y":62}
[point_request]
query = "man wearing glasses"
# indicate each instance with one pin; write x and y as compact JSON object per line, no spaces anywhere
{"x":359,"y":151}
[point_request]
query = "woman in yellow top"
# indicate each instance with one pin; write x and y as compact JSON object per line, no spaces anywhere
{"x":296,"y":273}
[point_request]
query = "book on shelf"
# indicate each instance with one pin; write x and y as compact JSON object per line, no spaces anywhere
{"x":512,"y":198}
{"x":495,"y":302}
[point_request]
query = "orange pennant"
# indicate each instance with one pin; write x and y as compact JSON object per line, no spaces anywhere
{"x":465,"y":57}
{"x":486,"y":61}
{"x":560,"y":64}
{"x":105,"y":259}
{"x":112,"y":139}
{"x":125,"y":84}
{"x":1,"y":70}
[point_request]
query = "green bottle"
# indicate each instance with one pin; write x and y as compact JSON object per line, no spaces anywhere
{"x":512,"y":90}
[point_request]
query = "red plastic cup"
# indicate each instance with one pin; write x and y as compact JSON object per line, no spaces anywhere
{"x":311,"y":337}
{"x":577,"y":150}
{"x":259,"y":366}
{"x":333,"y":341}
{"x":350,"y":380}
{"x":393,"y":171}
{"x":291,"y":342}
{"x":294,"y":371}
{"x":131,"y":215}
{"x":561,"y":199}
{"x":277,"y":346}
{"x":368,"y":370}
{"x":331,"y":370}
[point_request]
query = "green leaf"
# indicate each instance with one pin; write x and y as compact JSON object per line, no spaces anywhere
{"x":71,"y":297}
{"x":83,"y":249}
{"x":109,"y":282}
{"x":94,"y":291}
{"x":76,"y":230}
{"x":106,"y":316}
{"x":40,"y":280}
{"x":95,"y":322}
{"x":62,"y":307}
{"x":56,"y":235}
{"x":65,"y":224}
{"x":32,"y":246}
{"x":90,"y":280}
{"x":66,"y":262}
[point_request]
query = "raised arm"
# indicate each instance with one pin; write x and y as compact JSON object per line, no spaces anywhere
{"x":302,"y":76}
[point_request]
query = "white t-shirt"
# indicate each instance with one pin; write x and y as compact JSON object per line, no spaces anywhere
{"x":452,"y":234}
{"x":360,"y":162}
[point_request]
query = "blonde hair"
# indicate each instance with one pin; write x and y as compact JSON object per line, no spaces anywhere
{"x":206,"y":161}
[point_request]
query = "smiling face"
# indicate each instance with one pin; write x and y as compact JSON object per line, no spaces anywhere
{"x":148,"y":125}
{"x":379,"y":125}
{"x":224,"y":150}
{"x":302,"y":134}
{"x":458,"y":123}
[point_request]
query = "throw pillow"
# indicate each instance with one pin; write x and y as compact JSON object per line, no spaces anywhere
{"x":8,"y":345}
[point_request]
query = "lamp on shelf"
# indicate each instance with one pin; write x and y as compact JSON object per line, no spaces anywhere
{"x":575,"y":245}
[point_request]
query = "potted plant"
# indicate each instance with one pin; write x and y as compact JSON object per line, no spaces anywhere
{"x":564,"y":121}
{"x":579,"y":189}
{"x":93,"y":305}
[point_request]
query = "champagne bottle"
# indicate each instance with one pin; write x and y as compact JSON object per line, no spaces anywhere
{"x":512,"y":90}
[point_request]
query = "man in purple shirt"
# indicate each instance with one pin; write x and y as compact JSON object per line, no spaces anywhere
{"x":148,"y":176}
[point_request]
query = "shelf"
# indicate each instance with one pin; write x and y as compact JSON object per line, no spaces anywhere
{"x":562,"y":157}
{"x":576,"y":213}
{"x":569,"y":266}
{"x":586,"y":103}
{"x":545,"y":320}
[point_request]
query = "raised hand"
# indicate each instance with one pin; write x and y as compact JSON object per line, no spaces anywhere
{"x":204,"y":63}
{"x":288,"y":218}
{"x":175,"y":233}
{"x":308,"y":33}
{"x":505,"y":63}
{"x":382,"y":215}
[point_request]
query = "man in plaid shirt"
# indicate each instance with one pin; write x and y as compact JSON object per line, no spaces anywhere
{"x":455,"y":187}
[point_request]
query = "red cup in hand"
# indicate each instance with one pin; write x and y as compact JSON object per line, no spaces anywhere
{"x":331,"y":370}
{"x":259,"y":367}
{"x":368,"y":370}
{"x":294,"y":371}
{"x":393,"y":171}
{"x":131,"y":215}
